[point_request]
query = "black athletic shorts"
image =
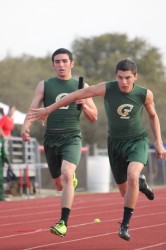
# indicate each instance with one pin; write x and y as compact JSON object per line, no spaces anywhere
{"x":63,"y":146}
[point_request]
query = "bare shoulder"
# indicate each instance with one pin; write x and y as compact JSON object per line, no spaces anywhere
{"x":39,"y":92}
{"x":149,"y":97}
{"x":97,"y":89}
{"x":41,"y":84}
{"x":100,"y":88}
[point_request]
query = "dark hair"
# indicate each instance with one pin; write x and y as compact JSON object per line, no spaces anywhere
{"x":126,"y":65}
{"x":62,"y":51}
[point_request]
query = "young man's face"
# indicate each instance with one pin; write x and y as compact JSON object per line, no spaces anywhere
{"x":62,"y":66}
{"x":125,"y":80}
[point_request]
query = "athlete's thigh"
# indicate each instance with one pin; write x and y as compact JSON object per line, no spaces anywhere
{"x":54,"y":161}
{"x":118,"y":161}
{"x":135,"y":168}
{"x":138,"y":151}
{"x":71,"y":152}
{"x":119,"y":169}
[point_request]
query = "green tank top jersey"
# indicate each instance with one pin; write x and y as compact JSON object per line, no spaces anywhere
{"x":65,"y":118}
{"x":124,"y":111}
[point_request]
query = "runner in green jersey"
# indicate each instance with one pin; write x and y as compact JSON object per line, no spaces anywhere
{"x":127,"y":138}
{"x":62,"y":134}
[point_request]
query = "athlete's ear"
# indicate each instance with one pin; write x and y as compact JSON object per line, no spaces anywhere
{"x":72,"y":64}
{"x":136,"y":76}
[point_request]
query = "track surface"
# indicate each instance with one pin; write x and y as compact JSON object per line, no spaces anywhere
{"x":25,"y":224}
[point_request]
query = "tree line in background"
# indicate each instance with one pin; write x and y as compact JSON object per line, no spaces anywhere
{"x":95,"y":60}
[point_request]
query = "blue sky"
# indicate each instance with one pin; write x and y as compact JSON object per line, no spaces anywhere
{"x":38,"y":27}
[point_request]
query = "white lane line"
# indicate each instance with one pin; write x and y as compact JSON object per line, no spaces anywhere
{"x":89,"y":237}
{"x":152,"y":246}
{"x":78,"y":225}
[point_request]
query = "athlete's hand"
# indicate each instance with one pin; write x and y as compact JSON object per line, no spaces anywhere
{"x":160,"y":151}
{"x":38,"y":114}
{"x":25,"y":134}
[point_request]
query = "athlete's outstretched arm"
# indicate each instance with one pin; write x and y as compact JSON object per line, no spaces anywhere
{"x":92,"y":91}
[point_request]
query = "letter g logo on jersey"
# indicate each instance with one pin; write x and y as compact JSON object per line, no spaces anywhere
{"x":59,"y":97}
{"x":124,"y":111}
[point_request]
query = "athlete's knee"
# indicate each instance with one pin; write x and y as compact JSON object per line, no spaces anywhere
{"x":133,"y":180}
{"x":67,"y":176}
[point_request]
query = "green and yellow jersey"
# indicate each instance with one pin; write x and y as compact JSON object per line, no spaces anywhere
{"x":124,"y":110}
{"x":66,"y":118}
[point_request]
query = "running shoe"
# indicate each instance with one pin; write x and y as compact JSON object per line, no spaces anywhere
{"x":75,"y":181}
{"x":124,"y":232}
{"x":59,"y":229}
{"x":144,"y":187}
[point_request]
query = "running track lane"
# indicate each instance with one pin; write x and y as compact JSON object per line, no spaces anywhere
{"x":24,"y":224}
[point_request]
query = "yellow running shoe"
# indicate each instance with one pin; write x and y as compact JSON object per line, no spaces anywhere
{"x":59,"y":229}
{"x":75,"y":181}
